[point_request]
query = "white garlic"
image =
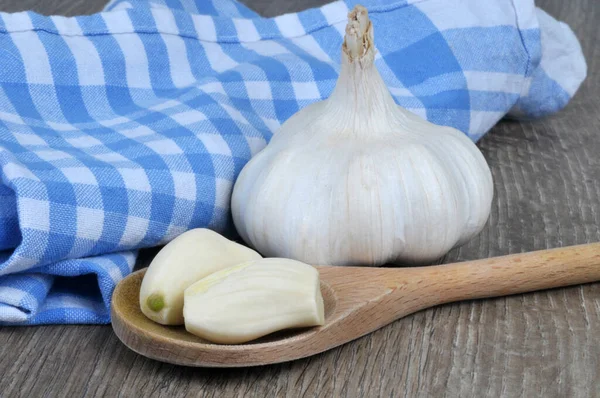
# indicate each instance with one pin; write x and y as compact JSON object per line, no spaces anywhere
{"x":253,"y":299}
{"x":186,"y":259}
{"x":358,"y":180}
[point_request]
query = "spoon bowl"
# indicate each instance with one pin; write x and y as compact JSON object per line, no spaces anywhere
{"x":174,"y":344}
{"x":358,"y":300}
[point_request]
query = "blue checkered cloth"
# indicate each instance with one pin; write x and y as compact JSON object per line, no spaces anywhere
{"x":123,"y":129}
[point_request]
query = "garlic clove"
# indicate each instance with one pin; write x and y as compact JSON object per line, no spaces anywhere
{"x":186,"y":259}
{"x":253,"y":299}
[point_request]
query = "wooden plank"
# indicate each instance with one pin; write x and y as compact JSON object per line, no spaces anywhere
{"x":53,"y":7}
{"x":547,"y":195}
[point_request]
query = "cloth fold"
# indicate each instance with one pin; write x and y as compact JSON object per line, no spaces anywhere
{"x":123,"y":129}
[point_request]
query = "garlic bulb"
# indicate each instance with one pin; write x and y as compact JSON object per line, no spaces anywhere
{"x":186,"y":259}
{"x":250,"y":300}
{"x":358,"y":180}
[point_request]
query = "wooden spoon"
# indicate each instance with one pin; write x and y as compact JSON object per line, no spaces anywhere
{"x":358,"y":300}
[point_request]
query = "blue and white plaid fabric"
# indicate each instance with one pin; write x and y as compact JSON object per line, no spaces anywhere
{"x":123,"y":129}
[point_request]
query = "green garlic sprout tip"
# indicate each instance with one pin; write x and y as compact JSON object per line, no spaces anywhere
{"x":155,"y":302}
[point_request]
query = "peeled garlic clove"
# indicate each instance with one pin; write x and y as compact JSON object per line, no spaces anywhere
{"x":186,"y":259}
{"x":253,"y":299}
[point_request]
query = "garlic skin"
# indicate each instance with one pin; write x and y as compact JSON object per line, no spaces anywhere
{"x":186,"y":259}
{"x":358,"y":180}
{"x":253,"y":299}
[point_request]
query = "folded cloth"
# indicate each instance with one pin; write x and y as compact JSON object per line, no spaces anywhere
{"x":123,"y":129}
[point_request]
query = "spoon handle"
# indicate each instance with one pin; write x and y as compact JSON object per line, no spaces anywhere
{"x":514,"y":274}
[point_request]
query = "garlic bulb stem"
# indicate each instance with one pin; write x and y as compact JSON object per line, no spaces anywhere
{"x":360,"y":92}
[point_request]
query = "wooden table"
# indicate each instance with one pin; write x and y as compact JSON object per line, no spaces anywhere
{"x":547,"y":181}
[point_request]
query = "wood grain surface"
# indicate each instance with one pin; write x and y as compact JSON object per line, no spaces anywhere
{"x":547,"y":182}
